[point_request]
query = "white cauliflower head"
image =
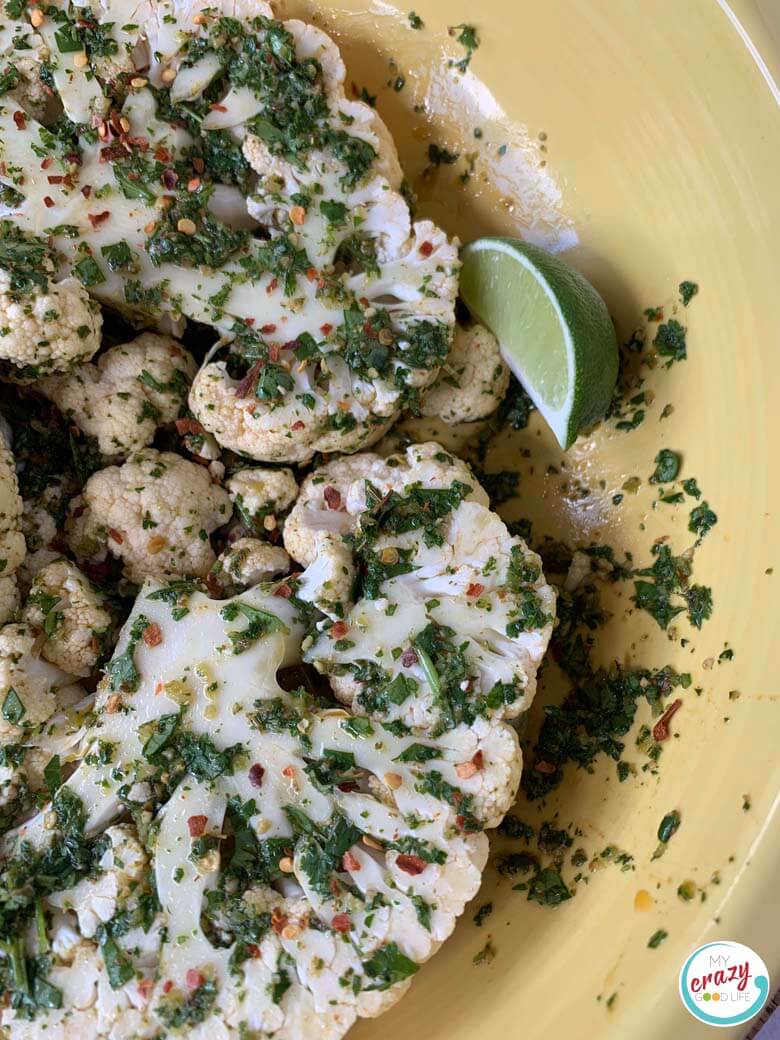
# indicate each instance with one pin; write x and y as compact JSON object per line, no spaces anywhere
{"x":73,"y":616}
{"x":473,"y":381}
{"x":129,"y":392}
{"x":155,"y":513}
{"x":46,"y":326}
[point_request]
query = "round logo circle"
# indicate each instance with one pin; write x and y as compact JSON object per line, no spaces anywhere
{"x":724,"y":983}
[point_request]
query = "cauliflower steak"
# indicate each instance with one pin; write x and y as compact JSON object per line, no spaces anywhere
{"x":211,"y":167}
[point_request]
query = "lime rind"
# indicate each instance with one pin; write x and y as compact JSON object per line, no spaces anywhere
{"x":582,"y":327}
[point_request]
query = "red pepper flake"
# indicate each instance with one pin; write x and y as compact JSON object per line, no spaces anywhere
{"x":545,"y":767}
{"x":145,"y":988}
{"x":273,"y":351}
{"x":97,"y":218}
{"x":253,"y":951}
{"x":21,"y":120}
{"x":256,"y":774}
{"x":55,"y":179}
{"x":198,"y":165}
{"x":299,"y":425}
{"x":478,"y":759}
{"x":661,"y":728}
{"x":278,"y":919}
{"x":196,"y":825}
{"x":409,"y":657}
{"x":249,"y":322}
{"x":115,"y":536}
{"x":349,"y":861}
{"x":347,"y":786}
{"x":189,"y":426}
{"x":283,"y":591}
{"x":193,"y":184}
{"x":268,"y":329}
{"x":216,"y":107}
{"x":289,"y":772}
{"x":311,"y":273}
{"x":411,"y":864}
{"x":46,"y":163}
{"x":194,"y":979}
{"x":426,"y":249}
{"x":167,"y":986}
{"x":272,"y":286}
{"x":326,"y":328}
{"x":86,"y":190}
{"x":247,"y":384}
{"x":341,"y":923}
{"x":152,"y":635}
{"x":162,"y":154}
{"x":48,"y":201}
{"x":332,"y":497}
{"x":339,"y":629}
{"x":475,"y":589}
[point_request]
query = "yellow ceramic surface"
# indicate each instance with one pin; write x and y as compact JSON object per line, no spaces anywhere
{"x":643,"y":139}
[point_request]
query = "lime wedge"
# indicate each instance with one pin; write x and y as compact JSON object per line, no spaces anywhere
{"x":554,"y":329}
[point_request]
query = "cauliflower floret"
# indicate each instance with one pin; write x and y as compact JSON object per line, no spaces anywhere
{"x":31,"y":690}
{"x":155,"y":513}
{"x":247,"y":562}
{"x":73,"y":615}
{"x":472,"y":382}
{"x":9,"y":598}
{"x":197,"y":442}
{"x":261,"y":495}
{"x":48,"y":331}
{"x":447,"y":592}
{"x":333,"y":497}
{"x":12,"y":546}
{"x":39,"y":525}
{"x":327,"y":581}
{"x":127,"y":393}
{"x":95,"y":901}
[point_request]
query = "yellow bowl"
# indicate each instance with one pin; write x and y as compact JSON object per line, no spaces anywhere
{"x":643,"y":140}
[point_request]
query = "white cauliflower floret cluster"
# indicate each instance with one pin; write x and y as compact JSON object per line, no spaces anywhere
{"x":261,"y":495}
{"x":12,"y":544}
{"x":464,"y":596}
{"x":73,"y":616}
{"x":38,"y":524}
{"x":129,"y":392}
{"x":473,"y":381}
{"x":155,"y":513}
{"x":50,"y":331}
{"x":31,"y":689}
{"x":247,"y":562}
